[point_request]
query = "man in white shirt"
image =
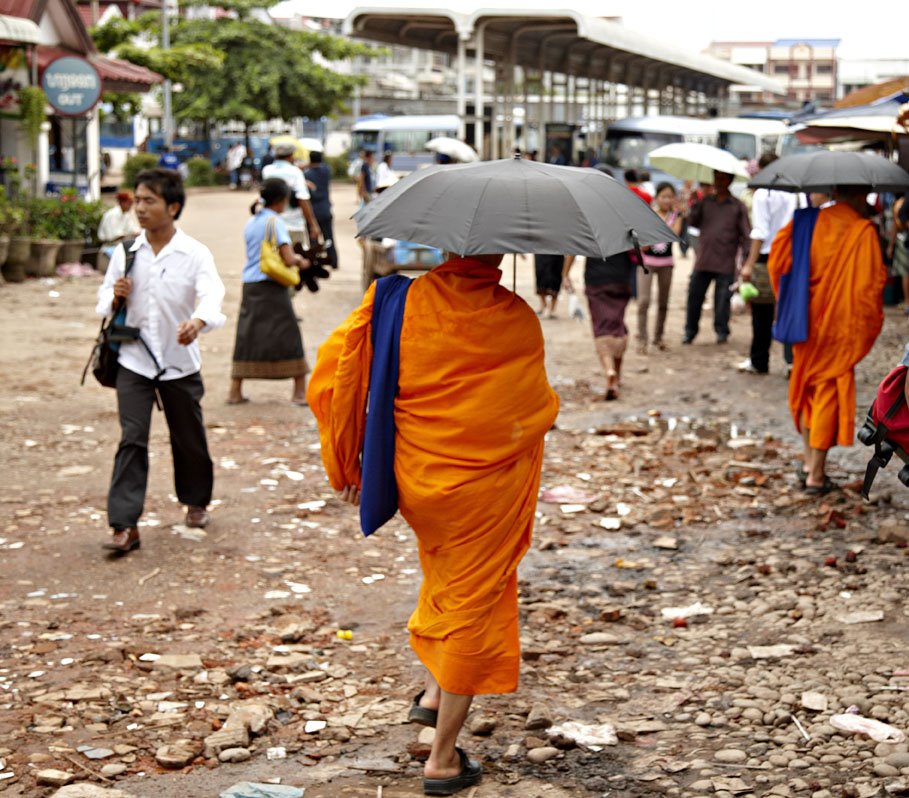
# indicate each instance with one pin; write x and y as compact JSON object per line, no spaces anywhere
{"x":293,"y":217}
{"x":118,"y":223}
{"x":172,"y":293}
{"x":770,"y":212}
{"x":235,"y":156}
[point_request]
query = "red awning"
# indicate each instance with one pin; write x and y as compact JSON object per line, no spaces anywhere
{"x":116,"y":75}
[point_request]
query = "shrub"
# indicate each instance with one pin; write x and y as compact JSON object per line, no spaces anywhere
{"x":135,"y":164}
{"x":201,"y":172}
{"x":339,"y":166}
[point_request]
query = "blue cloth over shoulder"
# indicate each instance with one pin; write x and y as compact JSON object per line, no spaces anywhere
{"x":791,"y":325}
{"x":379,"y":494}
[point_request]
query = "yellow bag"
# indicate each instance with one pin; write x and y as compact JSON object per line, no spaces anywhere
{"x":271,"y":263}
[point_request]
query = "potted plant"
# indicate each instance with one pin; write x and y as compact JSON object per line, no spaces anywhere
{"x":44,"y":220}
{"x":69,"y":226}
{"x":15,"y":223}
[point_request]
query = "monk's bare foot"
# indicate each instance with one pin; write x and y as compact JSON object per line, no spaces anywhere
{"x":442,"y":768}
{"x":431,"y":697}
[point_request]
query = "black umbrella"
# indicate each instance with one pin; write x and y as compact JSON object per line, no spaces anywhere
{"x":513,"y":205}
{"x":824,"y":170}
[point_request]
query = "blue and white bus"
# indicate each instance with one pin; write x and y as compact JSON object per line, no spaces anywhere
{"x":404,"y":136}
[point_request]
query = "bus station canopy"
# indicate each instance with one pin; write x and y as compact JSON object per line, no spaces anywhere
{"x":560,"y":41}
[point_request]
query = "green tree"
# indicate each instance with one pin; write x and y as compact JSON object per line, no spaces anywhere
{"x":240,"y":68}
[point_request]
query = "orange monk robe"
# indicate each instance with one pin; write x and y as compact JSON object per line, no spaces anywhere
{"x":473,"y":408}
{"x":845,"y":315}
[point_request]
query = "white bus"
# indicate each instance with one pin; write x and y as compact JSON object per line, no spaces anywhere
{"x":749,"y":139}
{"x":404,"y":136}
{"x":630,"y":141}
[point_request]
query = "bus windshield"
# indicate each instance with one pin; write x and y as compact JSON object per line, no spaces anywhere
{"x":629,"y":149}
{"x":364,"y":140}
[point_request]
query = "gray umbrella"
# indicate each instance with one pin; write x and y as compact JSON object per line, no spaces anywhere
{"x":824,"y":170}
{"x":513,"y":205}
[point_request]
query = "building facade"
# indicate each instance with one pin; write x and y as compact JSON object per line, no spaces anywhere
{"x":807,"y":69}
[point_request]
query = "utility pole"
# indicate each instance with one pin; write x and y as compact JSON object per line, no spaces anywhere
{"x":165,"y":44}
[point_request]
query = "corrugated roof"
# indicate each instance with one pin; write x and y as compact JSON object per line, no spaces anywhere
{"x":116,"y":75}
{"x":18,"y":30}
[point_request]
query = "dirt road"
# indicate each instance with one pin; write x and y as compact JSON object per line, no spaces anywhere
{"x":689,"y":497}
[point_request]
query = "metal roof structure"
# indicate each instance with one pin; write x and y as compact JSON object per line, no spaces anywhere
{"x":559,"y":41}
{"x":559,"y":44}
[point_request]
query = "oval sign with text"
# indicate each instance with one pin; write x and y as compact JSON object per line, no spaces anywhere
{"x":72,"y":85}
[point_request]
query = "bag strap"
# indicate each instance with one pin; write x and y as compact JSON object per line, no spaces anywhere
{"x":271,"y":232}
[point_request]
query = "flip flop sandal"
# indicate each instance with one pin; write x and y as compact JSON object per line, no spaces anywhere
{"x":241,"y":401}
{"x":422,"y":716}
{"x":821,"y":490}
{"x":471,"y":773}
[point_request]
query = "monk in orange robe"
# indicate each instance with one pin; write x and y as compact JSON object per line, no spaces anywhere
{"x":472,"y":409}
{"x":845,"y":316}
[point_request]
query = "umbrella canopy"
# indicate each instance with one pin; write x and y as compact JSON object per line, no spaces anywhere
{"x":690,"y":161}
{"x":513,"y":205}
{"x":311,"y":145}
{"x":454,"y":149}
{"x":300,"y":153}
{"x":824,"y":170}
{"x":873,"y":121}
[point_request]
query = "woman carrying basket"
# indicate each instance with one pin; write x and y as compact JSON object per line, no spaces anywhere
{"x":268,"y":344}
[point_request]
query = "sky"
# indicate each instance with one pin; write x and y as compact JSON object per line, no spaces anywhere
{"x":865,"y":31}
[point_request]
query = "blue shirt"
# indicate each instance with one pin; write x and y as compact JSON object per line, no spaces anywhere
{"x":254,"y":233}
{"x":169,"y":161}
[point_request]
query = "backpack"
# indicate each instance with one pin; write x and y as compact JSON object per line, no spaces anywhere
{"x":886,"y":428}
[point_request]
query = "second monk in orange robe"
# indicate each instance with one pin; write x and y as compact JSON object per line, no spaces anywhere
{"x":473,"y":408}
{"x":845,"y":315}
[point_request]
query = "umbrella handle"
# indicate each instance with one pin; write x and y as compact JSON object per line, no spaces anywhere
{"x":637,"y":250}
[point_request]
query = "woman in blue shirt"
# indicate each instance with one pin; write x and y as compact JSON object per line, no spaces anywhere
{"x":268,"y":344}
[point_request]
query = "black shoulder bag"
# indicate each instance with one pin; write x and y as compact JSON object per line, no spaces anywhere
{"x":103,"y":359}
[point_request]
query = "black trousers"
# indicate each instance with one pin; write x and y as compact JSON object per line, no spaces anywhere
{"x":193,"y":470}
{"x":328,"y":234}
{"x":697,"y":291}
{"x":762,"y":316}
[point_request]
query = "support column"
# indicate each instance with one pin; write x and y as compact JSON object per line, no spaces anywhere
{"x":93,"y":165}
{"x":479,"y":95}
{"x":462,"y":87}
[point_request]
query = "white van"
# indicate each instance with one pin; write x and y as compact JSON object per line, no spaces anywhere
{"x":749,"y":139}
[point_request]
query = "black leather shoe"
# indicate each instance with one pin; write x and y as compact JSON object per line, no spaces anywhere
{"x":197,"y":517}
{"x":123,"y":541}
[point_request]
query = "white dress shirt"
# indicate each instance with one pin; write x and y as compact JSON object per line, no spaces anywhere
{"x":178,"y":284}
{"x":770,"y":212}
{"x":115,"y":224}
{"x":293,"y":176}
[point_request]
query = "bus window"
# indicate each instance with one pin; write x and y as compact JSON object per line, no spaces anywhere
{"x":742,"y":145}
{"x":406,"y":140}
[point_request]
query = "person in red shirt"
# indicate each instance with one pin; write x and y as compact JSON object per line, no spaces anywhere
{"x":632,"y":181}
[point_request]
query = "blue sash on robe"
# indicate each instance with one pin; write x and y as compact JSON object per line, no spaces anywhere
{"x":791,"y":325}
{"x":379,"y":494}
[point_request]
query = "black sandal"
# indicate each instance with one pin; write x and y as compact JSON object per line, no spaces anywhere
{"x":471,"y":773}
{"x":422,"y":716}
{"x":821,"y":490}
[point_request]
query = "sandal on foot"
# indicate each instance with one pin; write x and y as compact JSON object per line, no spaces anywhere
{"x":820,"y":490}
{"x":423,"y":716}
{"x":471,"y":773}
{"x":611,"y":395}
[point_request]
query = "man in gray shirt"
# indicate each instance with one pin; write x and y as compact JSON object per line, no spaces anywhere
{"x":723,"y":222}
